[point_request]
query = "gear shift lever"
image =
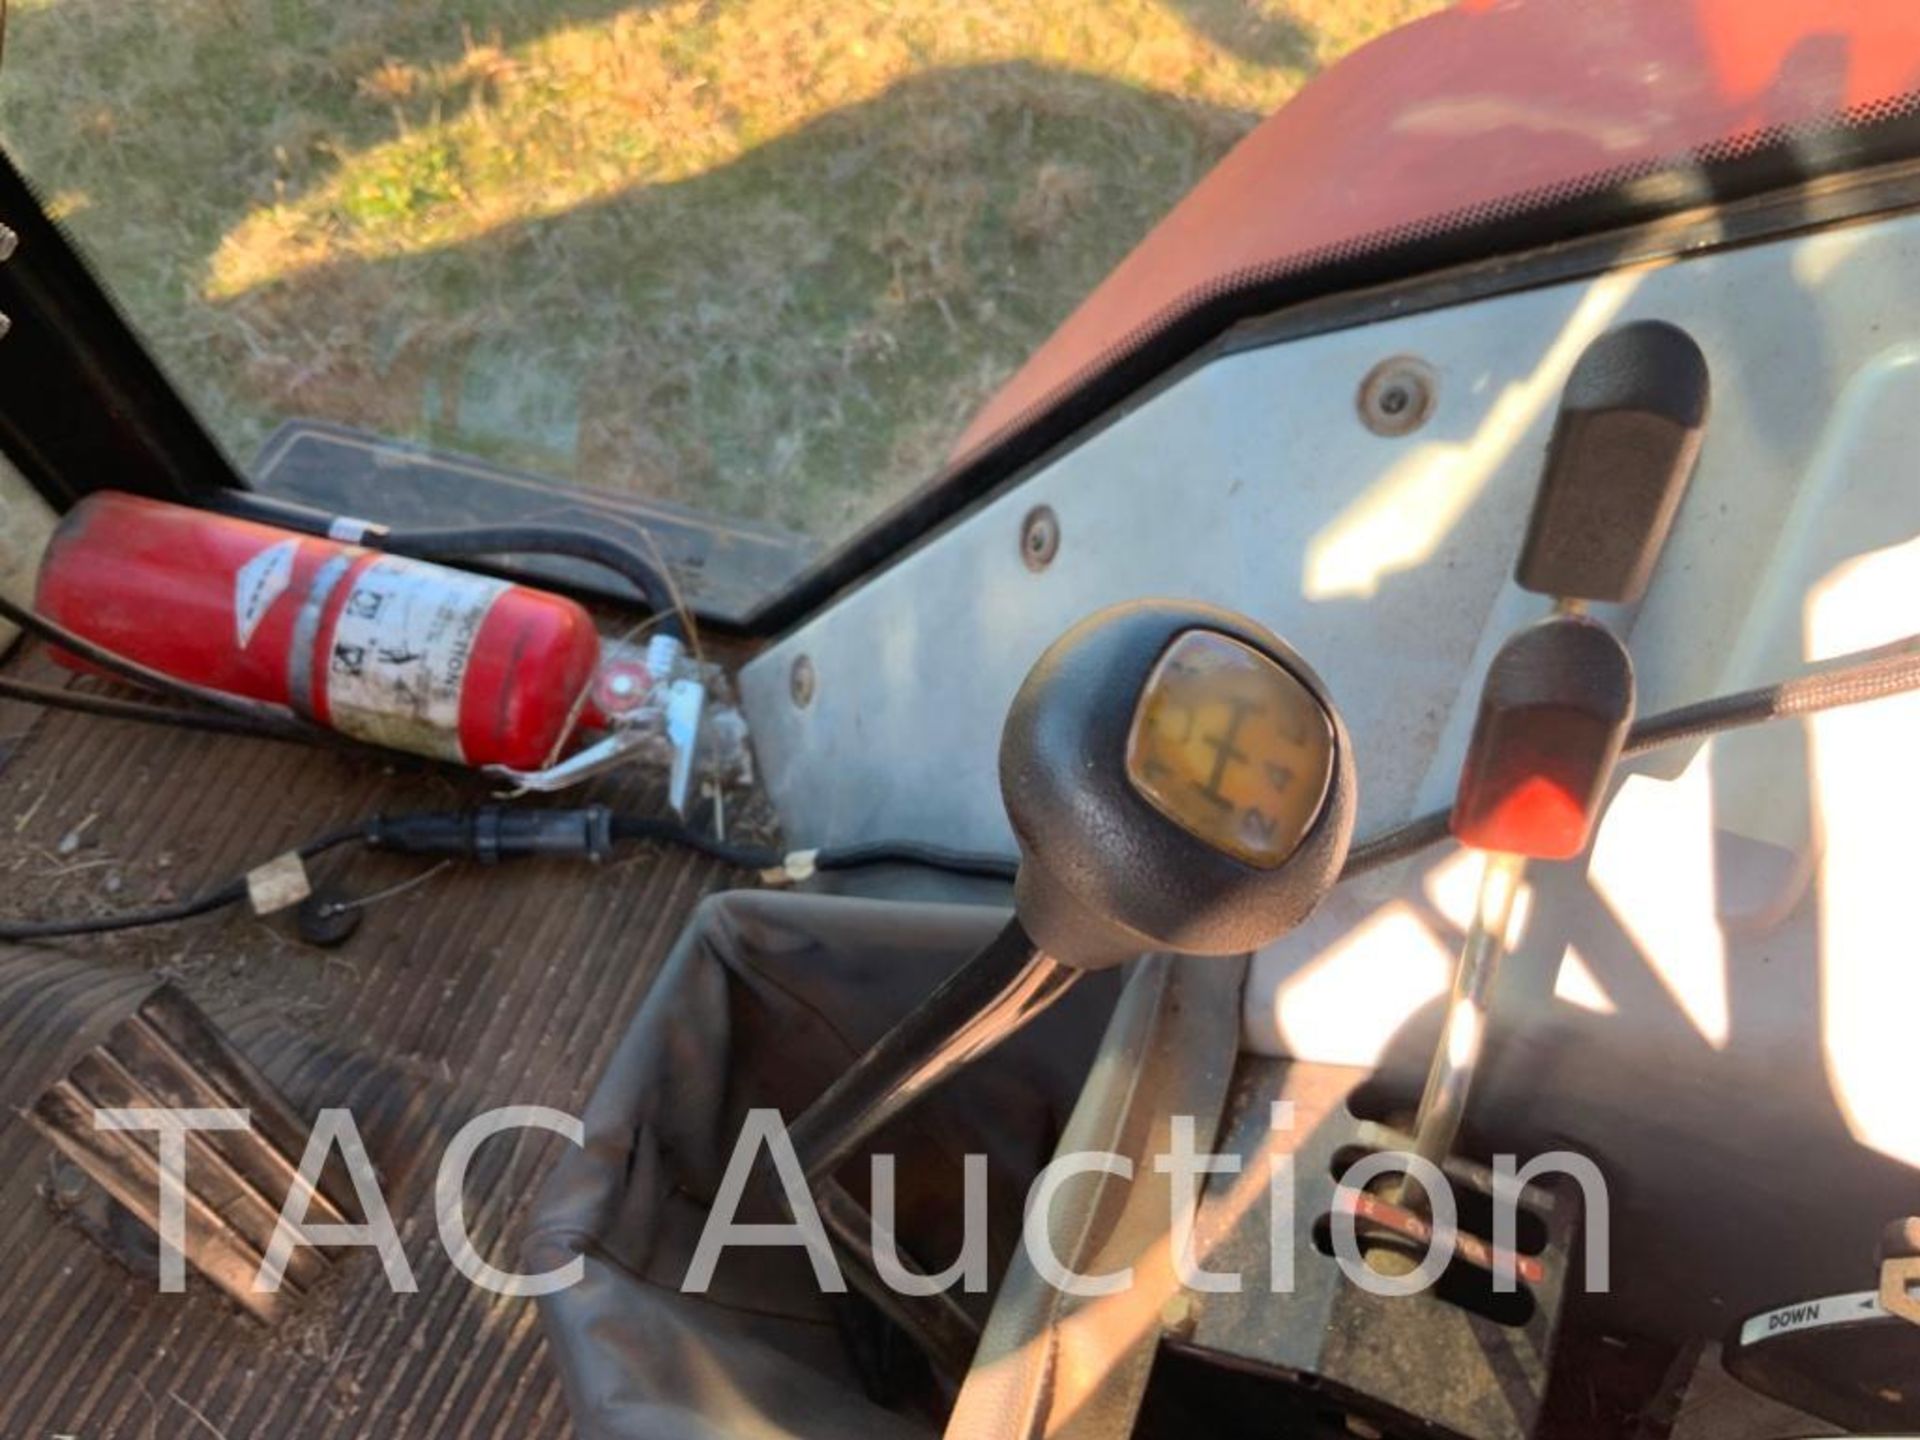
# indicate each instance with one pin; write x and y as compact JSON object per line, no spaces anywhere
{"x":1178,"y":781}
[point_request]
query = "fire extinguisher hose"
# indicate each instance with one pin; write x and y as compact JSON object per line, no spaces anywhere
{"x":573,"y":542}
{"x":626,"y":549}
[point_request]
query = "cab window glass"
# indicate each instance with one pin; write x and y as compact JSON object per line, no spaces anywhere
{"x":761,"y":258}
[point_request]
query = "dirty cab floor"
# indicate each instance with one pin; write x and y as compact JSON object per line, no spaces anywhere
{"x":469,"y":990}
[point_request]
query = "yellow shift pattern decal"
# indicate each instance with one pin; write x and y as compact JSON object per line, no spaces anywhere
{"x":1231,"y":747}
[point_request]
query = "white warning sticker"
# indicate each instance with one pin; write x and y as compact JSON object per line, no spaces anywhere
{"x":260,"y":582}
{"x":397,"y":664}
{"x":1813,"y":1315}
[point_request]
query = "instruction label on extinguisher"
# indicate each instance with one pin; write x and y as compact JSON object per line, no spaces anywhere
{"x":398,"y":661}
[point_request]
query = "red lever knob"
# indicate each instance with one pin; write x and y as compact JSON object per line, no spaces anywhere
{"x":1553,"y":715}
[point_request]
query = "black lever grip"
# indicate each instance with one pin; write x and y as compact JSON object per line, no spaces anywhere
{"x":1623,"y":449}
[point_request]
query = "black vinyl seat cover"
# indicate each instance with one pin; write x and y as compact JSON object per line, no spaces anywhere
{"x":764,"y":1001}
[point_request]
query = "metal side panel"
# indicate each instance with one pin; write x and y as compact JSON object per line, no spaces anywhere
{"x":1253,"y":483}
{"x":1719,"y":996}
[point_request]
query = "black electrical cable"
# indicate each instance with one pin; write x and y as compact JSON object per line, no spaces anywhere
{"x":452,"y":837}
{"x":231,"y":893}
{"x":551,"y":537}
{"x":472,"y":542}
{"x":213,"y":722}
{"x":267,"y":718}
{"x":846,"y":857}
{"x":1852,"y":680}
{"x":1398,"y":843}
{"x":1870,"y":675}
{"x":672,"y":832}
{"x":908,"y":852}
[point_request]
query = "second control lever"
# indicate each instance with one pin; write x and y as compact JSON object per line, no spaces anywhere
{"x":1559,"y":696}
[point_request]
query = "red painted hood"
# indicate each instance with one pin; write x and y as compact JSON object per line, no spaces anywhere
{"x":1491,"y":105}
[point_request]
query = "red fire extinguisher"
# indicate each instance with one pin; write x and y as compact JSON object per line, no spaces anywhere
{"x":394,"y":651}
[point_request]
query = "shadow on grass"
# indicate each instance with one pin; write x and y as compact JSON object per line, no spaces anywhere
{"x":94,"y":87}
{"x":793,"y":336}
{"x":1255,"y":35}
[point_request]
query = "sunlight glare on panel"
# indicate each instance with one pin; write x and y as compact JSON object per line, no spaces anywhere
{"x":1453,"y":888}
{"x":1867,"y":788}
{"x":1576,"y":984}
{"x":1348,"y":1003}
{"x":1399,"y":521}
{"x":1653,"y":864}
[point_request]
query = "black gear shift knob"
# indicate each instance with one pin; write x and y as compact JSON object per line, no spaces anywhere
{"x":1178,"y":780}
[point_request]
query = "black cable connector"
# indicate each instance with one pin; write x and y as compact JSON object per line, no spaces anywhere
{"x":496,"y":832}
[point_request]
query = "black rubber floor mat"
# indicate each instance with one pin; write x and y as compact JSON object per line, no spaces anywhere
{"x":473,"y":989}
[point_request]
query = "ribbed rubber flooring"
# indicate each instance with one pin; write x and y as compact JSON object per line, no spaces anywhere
{"x":475,"y":989}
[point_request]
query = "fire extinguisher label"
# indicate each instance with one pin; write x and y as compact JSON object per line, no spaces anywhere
{"x":398,"y":661}
{"x":260,"y":582}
